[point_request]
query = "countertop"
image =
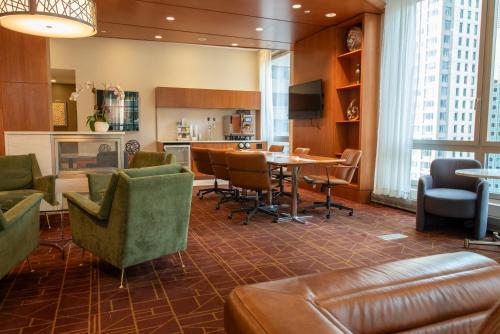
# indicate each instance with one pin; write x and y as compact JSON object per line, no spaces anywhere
{"x":208,"y":141}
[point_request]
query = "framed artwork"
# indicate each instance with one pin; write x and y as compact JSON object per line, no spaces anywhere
{"x":123,"y":113}
{"x":59,"y":114}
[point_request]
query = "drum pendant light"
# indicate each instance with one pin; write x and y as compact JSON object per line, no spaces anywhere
{"x":50,"y":18}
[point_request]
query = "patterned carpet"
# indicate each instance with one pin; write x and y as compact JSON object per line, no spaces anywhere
{"x":161,"y":297}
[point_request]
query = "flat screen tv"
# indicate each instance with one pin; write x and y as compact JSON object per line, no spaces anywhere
{"x":305,"y":101}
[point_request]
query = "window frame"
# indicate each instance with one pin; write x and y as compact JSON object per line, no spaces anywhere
{"x":480,"y":146}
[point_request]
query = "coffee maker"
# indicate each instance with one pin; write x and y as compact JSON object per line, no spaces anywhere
{"x":239,"y":126}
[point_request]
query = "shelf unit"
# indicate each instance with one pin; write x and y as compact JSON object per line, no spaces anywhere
{"x":361,"y":133}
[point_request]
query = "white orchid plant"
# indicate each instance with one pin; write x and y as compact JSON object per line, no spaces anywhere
{"x":100,"y":112}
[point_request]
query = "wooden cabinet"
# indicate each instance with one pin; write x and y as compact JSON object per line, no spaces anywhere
{"x":172,"y":97}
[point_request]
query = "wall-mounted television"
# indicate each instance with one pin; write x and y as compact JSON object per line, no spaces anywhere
{"x":305,"y":101}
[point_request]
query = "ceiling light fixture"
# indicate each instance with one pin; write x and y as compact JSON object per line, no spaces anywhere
{"x":103,"y":31}
{"x":297,"y":6}
{"x":50,"y":18}
{"x":259,"y":29}
{"x":170,"y":18}
{"x":202,"y":39}
{"x":53,"y":80}
{"x":307,"y":11}
{"x":158,"y":37}
{"x":330,"y":14}
{"x":234,"y":44}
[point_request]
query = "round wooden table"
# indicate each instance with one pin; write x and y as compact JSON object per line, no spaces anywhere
{"x":484,"y":173}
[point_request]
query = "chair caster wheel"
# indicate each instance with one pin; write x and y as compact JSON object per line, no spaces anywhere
{"x":327,"y":216}
{"x":217,"y":207}
{"x":245,"y":223}
{"x":230,"y":217}
{"x":350,"y":214}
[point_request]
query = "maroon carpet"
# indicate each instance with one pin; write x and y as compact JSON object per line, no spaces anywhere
{"x":161,"y":297}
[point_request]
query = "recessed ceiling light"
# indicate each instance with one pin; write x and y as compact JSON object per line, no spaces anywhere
{"x":297,"y":6}
{"x":170,"y":18}
{"x":259,"y":29}
{"x":53,"y":80}
{"x":234,"y":44}
{"x":103,"y":31}
{"x":307,"y":11}
{"x":202,"y":39}
{"x":158,"y":37}
{"x":330,"y":14}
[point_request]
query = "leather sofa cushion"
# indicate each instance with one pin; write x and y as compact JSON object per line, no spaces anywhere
{"x":440,"y":293}
{"x":492,"y":323}
{"x":15,"y":172}
{"x":453,"y":203}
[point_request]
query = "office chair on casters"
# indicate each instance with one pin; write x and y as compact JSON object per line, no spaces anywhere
{"x":342,"y":175}
{"x":221,"y":172}
{"x":202,"y":162}
{"x":250,"y":171}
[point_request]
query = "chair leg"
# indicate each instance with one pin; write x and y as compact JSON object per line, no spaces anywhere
{"x":29,"y":264}
{"x":122,"y":278}
{"x":83,"y":254}
{"x":180,"y":258}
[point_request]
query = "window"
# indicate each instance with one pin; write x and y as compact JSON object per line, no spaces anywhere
{"x":280,"y":82}
{"x":459,"y":52}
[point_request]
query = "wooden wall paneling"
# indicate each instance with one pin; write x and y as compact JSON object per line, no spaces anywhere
{"x":24,"y":82}
{"x":337,"y":66}
{"x":172,"y":97}
{"x":313,"y":59}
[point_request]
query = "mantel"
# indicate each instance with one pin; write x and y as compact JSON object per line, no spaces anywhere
{"x":173,"y":97}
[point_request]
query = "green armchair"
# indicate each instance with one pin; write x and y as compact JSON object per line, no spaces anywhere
{"x":98,"y":182}
{"x":144,"y":215}
{"x":19,"y":232}
{"x":20,"y":176}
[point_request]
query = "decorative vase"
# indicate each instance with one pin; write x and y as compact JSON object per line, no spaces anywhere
{"x":354,"y":38}
{"x":101,"y":127}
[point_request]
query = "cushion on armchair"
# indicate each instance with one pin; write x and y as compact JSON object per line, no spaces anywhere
{"x":453,"y":203}
{"x":15,"y":172}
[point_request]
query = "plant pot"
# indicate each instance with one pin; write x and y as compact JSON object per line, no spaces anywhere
{"x":101,"y":127}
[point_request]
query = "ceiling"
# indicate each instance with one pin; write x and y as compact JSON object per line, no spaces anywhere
{"x":225,"y":22}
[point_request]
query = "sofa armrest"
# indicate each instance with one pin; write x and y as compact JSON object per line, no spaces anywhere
{"x":12,"y":216}
{"x":47,"y":185}
{"x":425,"y":183}
{"x":85,"y":204}
{"x":98,"y":183}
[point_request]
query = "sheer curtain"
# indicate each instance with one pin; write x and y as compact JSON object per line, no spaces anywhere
{"x":397,"y":99}
{"x":266,"y":94}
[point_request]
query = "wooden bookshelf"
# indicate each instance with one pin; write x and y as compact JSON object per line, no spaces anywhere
{"x":361,"y":133}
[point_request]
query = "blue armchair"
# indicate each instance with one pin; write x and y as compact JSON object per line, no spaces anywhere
{"x":445,"y":194}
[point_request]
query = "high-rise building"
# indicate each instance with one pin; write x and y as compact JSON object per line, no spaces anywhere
{"x":447,"y":67}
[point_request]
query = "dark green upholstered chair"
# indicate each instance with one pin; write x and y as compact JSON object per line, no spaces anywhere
{"x":20,"y":176}
{"x":19,"y":232}
{"x":98,"y":182}
{"x":144,"y":215}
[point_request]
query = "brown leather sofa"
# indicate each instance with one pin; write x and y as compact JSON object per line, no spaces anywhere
{"x":446,"y":293}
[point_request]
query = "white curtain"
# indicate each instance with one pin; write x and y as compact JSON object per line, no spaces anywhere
{"x":397,"y":99}
{"x":266,"y":93}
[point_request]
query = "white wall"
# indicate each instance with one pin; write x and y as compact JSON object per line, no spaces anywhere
{"x":142,"y":66}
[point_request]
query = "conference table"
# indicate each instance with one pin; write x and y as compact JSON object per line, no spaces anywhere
{"x":295,"y":163}
{"x":484,"y":173}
